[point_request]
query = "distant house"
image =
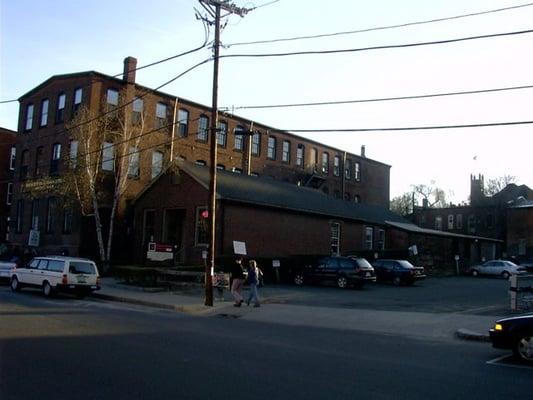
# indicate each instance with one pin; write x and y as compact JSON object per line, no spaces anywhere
{"x":8,"y":139}
{"x":277,"y":219}
{"x":520,"y":230}
{"x":486,"y":216}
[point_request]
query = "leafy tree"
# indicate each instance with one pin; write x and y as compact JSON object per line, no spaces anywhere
{"x":402,"y":204}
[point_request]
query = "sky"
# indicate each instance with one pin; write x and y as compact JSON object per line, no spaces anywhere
{"x":39,"y":39}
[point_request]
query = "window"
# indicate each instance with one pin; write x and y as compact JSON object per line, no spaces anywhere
{"x":200,"y":162}
{"x":38,"y":160}
{"x":335,"y":238}
{"x":300,"y":151}
{"x":12,"y":158}
{"x":35,"y":214}
{"x":50,"y":212}
{"x":157,"y":163}
{"x":221,"y":167}
{"x":73,"y":154}
{"x":133,"y":165}
{"x":108,"y":162}
{"x":459,"y":221}
{"x":203,"y":126}
{"x":222,"y":133}
{"x":239,"y":137}
{"x":369,"y":238}
{"x":20,"y":216}
{"x":381,"y":239}
{"x":77,"y":99}
{"x":9,"y":198}
{"x":67,"y":220}
{"x":357,"y":172}
{"x":471,"y":224}
{"x":138,"y":105}
{"x":438,"y":223}
{"x":112,"y":97}
{"x":271,"y":150}
{"x":160,"y":115}
{"x":286,"y":152}
{"x":256,"y":144}
{"x":183,"y":122}
{"x":44,"y":112}
{"x":56,"y":156}
{"x":337,"y":166}
{"x":348,"y":169}
{"x":60,"y":111}
{"x":313,"y":159}
{"x":29,"y":117}
{"x":325,"y":162}
{"x":450,"y":222}
{"x":24,"y":162}
{"x":236,"y":170}
{"x":201,"y":231}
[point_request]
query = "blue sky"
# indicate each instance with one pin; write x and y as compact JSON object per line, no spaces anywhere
{"x":43,"y":38}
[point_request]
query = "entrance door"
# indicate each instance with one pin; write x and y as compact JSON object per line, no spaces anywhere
{"x":173,"y":230}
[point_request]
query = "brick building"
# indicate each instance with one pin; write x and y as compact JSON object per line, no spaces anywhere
{"x":486,"y":216}
{"x":7,"y":166}
{"x":520,"y":230}
{"x":276,"y":220}
{"x":177,"y":128}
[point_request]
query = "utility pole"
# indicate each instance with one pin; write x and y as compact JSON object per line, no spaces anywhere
{"x":213,"y":7}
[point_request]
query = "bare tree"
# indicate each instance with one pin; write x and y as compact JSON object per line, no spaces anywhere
{"x":430,"y":194}
{"x":496,"y":185}
{"x":402,"y":204}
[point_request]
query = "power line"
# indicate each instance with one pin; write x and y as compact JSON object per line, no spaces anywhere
{"x":144,"y":66}
{"x":394,"y":46}
{"x":380,"y":27}
{"x":411,"y":128}
{"x":421,"y":96}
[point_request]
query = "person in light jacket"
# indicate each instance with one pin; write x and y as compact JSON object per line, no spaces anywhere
{"x":253,"y":280}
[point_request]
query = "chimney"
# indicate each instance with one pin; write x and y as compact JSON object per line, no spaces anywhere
{"x":363,"y":151}
{"x":130,"y":64}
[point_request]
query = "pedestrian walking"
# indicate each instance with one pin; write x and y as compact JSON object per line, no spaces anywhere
{"x":253,"y":280}
{"x":237,"y":275}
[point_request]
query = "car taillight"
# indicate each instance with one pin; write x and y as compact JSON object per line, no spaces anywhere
{"x":64,"y":281}
{"x":98,"y":281}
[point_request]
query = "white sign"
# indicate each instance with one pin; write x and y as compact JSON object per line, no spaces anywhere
{"x":239,"y":248}
{"x":414,"y":249}
{"x":276,"y":263}
{"x":33,"y":238}
{"x":204,"y":254}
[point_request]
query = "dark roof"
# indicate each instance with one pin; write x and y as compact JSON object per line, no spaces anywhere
{"x":412,"y":228}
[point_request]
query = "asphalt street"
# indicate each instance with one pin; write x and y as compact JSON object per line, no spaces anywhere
{"x":63,"y":348}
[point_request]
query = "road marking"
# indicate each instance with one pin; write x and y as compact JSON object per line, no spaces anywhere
{"x":498,"y":362}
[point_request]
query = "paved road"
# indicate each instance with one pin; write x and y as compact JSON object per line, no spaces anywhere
{"x":65,"y":348}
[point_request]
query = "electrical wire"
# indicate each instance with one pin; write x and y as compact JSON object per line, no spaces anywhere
{"x":411,"y":128}
{"x":380,"y":27}
{"x":421,"y":96}
{"x":394,"y":46}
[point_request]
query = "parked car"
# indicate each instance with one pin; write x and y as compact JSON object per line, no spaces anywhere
{"x":5,"y":269}
{"x":399,"y":272}
{"x":57,"y":274}
{"x":501,"y":268}
{"x":343,"y":271}
{"x":515,"y":333}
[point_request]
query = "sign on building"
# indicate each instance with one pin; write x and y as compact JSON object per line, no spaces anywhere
{"x":34,"y":238}
{"x":239,"y":248}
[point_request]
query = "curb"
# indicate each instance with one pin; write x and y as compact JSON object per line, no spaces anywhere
{"x":194,"y":309}
{"x":466,"y":334}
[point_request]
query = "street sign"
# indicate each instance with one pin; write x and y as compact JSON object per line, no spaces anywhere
{"x":34,"y":238}
{"x":239,"y":248}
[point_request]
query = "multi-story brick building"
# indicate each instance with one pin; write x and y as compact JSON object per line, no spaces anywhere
{"x":486,"y":216}
{"x":175,"y":127}
{"x":7,"y":166}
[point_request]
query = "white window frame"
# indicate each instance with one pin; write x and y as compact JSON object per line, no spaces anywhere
{"x":325,"y":162}
{"x":438,"y":223}
{"x":348,"y":169}
{"x":381,"y":239}
{"x":12,"y":158}
{"x":112,"y":97}
{"x":357,"y":171}
{"x":286,"y":152}
{"x":238,"y":142}
{"x":78,"y":96}
{"x":203,"y":128}
{"x":56,"y":151}
{"x":459,"y":221}
{"x":133,"y":162}
{"x":336,"y":166}
{"x":256,"y":144}
{"x":369,"y":238}
{"x":335,"y":230}
{"x":450,"y":221}
{"x":271,"y":148}
{"x":45,"y":106}
{"x":300,"y":153}
{"x":222,"y":133}
{"x":73,"y":153}
{"x":29,"y":117}
{"x":9,"y":191}
{"x":183,"y":122}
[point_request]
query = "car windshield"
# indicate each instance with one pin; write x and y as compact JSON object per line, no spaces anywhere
{"x":363,"y":263}
{"x":406,"y":264}
{"x":81,"y":267}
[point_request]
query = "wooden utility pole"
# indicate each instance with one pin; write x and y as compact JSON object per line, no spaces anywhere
{"x":214,"y":7}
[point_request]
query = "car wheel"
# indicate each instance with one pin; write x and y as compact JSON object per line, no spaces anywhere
{"x":15,"y":285}
{"x":475,"y":272}
{"x":506,"y":275}
{"x":342,"y":282}
{"x":47,"y":289}
{"x":298,"y":279}
{"x":396,"y":281}
{"x":523,"y":348}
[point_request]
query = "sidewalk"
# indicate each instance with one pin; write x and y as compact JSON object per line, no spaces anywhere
{"x":275,"y":309}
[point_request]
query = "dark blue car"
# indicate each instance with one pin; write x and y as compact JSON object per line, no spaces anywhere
{"x":516,"y":334}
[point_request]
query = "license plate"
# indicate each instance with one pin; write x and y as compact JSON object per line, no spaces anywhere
{"x":82,"y":280}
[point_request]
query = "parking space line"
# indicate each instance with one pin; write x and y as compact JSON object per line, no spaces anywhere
{"x":498,"y":362}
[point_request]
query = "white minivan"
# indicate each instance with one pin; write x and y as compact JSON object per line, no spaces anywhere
{"x":57,"y":274}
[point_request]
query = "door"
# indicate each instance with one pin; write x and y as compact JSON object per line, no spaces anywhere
{"x":173,"y":231}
